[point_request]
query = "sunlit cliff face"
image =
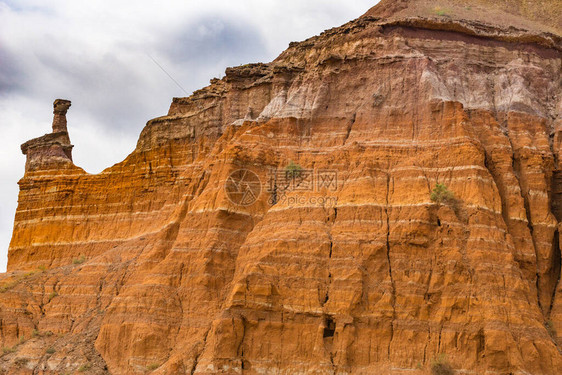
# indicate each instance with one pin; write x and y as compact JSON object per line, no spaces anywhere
{"x":382,"y":198}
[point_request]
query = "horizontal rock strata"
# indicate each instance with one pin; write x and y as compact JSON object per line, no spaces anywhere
{"x":345,"y":266}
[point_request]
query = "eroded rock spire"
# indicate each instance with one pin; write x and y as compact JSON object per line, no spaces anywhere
{"x":52,"y":150}
{"x":60,"y":107}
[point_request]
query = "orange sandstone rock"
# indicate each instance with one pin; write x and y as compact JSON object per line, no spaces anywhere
{"x":341,"y":263}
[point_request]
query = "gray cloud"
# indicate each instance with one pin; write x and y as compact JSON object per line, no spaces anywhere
{"x":213,"y":38}
{"x":10,"y":75}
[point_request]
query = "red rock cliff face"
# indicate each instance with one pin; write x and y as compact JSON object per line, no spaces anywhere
{"x":346,"y":266}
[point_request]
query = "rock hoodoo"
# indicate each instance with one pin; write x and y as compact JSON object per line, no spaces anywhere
{"x":344,"y":260}
{"x":51,"y":150}
{"x":61,"y":106}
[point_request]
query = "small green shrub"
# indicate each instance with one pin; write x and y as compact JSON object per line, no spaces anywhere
{"x":52,"y":295}
{"x":85,"y":367}
{"x":440,"y":12}
{"x":29,"y":274}
{"x":51,"y":350}
{"x":152,"y":366}
{"x":21,"y":340}
{"x":440,"y":366}
{"x":81,"y":259}
{"x":48,"y":333}
{"x":10,"y":285}
{"x":8,"y":350}
{"x":16,"y":280}
{"x":42,"y":268}
{"x":441,"y":194}
{"x":293,"y":170}
{"x":35,"y":333}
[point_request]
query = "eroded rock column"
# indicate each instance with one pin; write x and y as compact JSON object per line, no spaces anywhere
{"x":59,"y":120}
{"x":51,"y":150}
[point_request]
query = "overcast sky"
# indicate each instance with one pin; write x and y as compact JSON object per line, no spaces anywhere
{"x":98,"y":55}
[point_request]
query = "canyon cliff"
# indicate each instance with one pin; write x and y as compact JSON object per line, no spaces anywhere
{"x":284,"y":219}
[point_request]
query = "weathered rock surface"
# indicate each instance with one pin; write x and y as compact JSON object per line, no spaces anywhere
{"x":152,"y":266}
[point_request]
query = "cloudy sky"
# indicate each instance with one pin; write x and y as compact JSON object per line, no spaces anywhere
{"x":100,"y":54}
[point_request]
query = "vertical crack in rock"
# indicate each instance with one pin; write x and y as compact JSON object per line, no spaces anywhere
{"x":41,"y":304}
{"x":517,"y":169}
{"x":329,"y":322}
{"x":329,"y":328}
{"x":556,"y":195}
{"x":328,"y":336}
{"x":199,"y":352}
{"x":481,"y":343}
{"x":555,"y":268}
{"x":240,"y":349}
{"x":427,"y":300}
{"x":556,"y":208}
{"x":327,"y":294}
{"x":393,"y":286}
{"x":98,"y":294}
{"x":349,"y":127}
{"x":489,"y":164}
{"x":330,"y":220}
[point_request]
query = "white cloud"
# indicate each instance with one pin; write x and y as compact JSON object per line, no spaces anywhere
{"x":96,"y":54}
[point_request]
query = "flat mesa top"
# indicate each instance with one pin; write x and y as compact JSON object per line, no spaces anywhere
{"x":537,"y":16}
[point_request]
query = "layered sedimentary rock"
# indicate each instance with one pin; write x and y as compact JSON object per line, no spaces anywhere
{"x":338,"y":261}
{"x":53,"y":150}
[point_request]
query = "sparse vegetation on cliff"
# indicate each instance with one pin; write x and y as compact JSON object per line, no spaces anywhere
{"x":440,"y":366}
{"x":8,"y":349}
{"x":14,"y":282}
{"x":442,"y":195}
{"x":440,"y":12}
{"x":52,"y":295}
{"x":85,"y":367}
{"x":81,"y":259}
{"x":4,"y":288}
{"x":293,"y":170}
{"x":152,"y":366}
